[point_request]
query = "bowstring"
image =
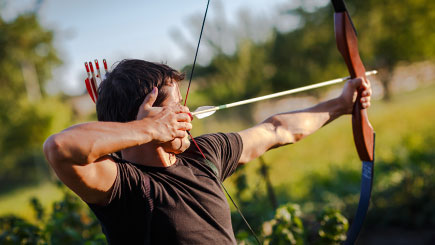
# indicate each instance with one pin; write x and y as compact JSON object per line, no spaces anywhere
{"x":191,"y":137}
{"x":196,"y":53}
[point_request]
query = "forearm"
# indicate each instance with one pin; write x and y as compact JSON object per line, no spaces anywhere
{"x":291,"y":127}
{"x":84,"y":143}
{"x":287,"y":128}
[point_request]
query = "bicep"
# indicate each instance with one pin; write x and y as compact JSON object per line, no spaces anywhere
{"x":92,"y":182}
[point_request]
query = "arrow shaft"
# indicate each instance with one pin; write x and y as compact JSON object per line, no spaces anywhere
{"x":279,"y":94}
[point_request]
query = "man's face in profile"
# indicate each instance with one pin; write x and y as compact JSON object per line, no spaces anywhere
{"x":174,"y":97}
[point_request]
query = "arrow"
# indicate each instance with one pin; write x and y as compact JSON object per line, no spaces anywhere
{"x":205,"y":111}
{"x":93,"y":81}
{"x":97,"y":67}
{"x":88,"y":83}
{"x":105,"y":66}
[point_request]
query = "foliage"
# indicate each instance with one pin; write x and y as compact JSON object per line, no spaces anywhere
{"x":333,"y":227}
{"x":389,"y":32}
{"x":286,"y":227}
{"x":407,"y":185}
{"x":14,"y":230}
{"x":235,"y":77}
{"x":68,"y":223}
{"x":403,"y":183}
{"x":27,"y":114}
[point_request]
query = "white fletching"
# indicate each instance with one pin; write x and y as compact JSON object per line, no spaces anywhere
{"x":204,"y":111}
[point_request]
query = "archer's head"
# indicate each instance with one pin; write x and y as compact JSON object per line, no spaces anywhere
{"x":127,"y":85}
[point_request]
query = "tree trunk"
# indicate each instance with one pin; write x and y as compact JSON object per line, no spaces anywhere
{"x":385,"y":75}
{"x":264,"y":171}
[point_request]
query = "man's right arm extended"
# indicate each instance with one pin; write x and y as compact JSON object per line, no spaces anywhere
{"x":79,"y":154}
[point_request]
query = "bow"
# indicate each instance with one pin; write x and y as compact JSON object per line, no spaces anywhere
{"x":363,"y":133}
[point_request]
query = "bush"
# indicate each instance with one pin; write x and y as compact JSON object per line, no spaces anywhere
{"x":68,"y":223}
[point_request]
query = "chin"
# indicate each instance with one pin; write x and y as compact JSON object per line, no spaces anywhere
{"x":176,"y":146}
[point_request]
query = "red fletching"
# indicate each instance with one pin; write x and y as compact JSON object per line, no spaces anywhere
{"x":94,"y":87}
{"x":91,"y":66}
{"x":88,"y":87}
{"x":87,"y":67}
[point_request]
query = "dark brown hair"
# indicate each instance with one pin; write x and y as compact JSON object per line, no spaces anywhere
{"x":126,"y":86}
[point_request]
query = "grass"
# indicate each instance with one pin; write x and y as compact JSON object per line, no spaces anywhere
{"x":18,"y":202}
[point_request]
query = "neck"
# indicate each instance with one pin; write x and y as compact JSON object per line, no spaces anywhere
{"x":149,"y":155}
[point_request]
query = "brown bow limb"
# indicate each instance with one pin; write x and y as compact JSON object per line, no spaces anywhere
{"x":347,"y":44}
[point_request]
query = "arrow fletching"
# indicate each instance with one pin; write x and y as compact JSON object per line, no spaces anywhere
{"x":90,"y":91}
{"x":205,"y":111}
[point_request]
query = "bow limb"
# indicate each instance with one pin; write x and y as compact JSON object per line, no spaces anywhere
{"x":347,"y":44}
{"x":363,"y":133}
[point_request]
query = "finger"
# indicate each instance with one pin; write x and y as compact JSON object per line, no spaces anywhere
{"x":150,"y":99}
{"x":180,"y":134}
{"x":366,"y":105}
{"x":367,"y":93}
{"x":177,"y":108}
{"x":185,"y":126}
{"x":182,"y":109}
{"x":365,"y":84}
{"x":183,"y":117}
{"x":355,"y":83}
{"x":365,"y":100}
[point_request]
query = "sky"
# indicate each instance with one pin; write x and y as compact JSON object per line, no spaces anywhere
{"x":160,"y":31}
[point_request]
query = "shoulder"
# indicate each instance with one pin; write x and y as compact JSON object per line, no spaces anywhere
{"x":221,"y":149}
{"x":219,"y":139}
{"x":127,"y":168}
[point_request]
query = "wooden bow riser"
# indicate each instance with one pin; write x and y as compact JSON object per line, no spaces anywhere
{"x":347,"y":44}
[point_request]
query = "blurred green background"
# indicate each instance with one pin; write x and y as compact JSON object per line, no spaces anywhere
{"x":317,"y":179}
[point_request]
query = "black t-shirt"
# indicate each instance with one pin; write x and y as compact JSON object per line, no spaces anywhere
{"x":180,"y":204}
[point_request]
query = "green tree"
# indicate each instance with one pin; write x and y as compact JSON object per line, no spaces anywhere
{"x":235,"y":77}
{"x":27,"y":114}
{"x":390,"y":32}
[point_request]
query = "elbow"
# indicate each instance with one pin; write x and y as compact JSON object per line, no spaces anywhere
{"x":285,"y":134}
{"x":53,"y":150}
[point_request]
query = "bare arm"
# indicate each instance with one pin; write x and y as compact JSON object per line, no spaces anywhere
{"x":290,"y":127}
{"x":78,"y":154}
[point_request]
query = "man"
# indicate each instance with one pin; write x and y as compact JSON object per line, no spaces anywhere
{"x":158,"y":188}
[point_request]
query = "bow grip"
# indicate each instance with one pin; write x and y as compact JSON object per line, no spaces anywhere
{"x":347,"y":44}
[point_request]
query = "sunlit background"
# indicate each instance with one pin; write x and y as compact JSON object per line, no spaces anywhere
{"x":305,"y":193}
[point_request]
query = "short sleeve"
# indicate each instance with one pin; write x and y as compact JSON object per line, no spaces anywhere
{"x":131,"y":187}
{"x":130,"y":181}
{"x":223,"y":150}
